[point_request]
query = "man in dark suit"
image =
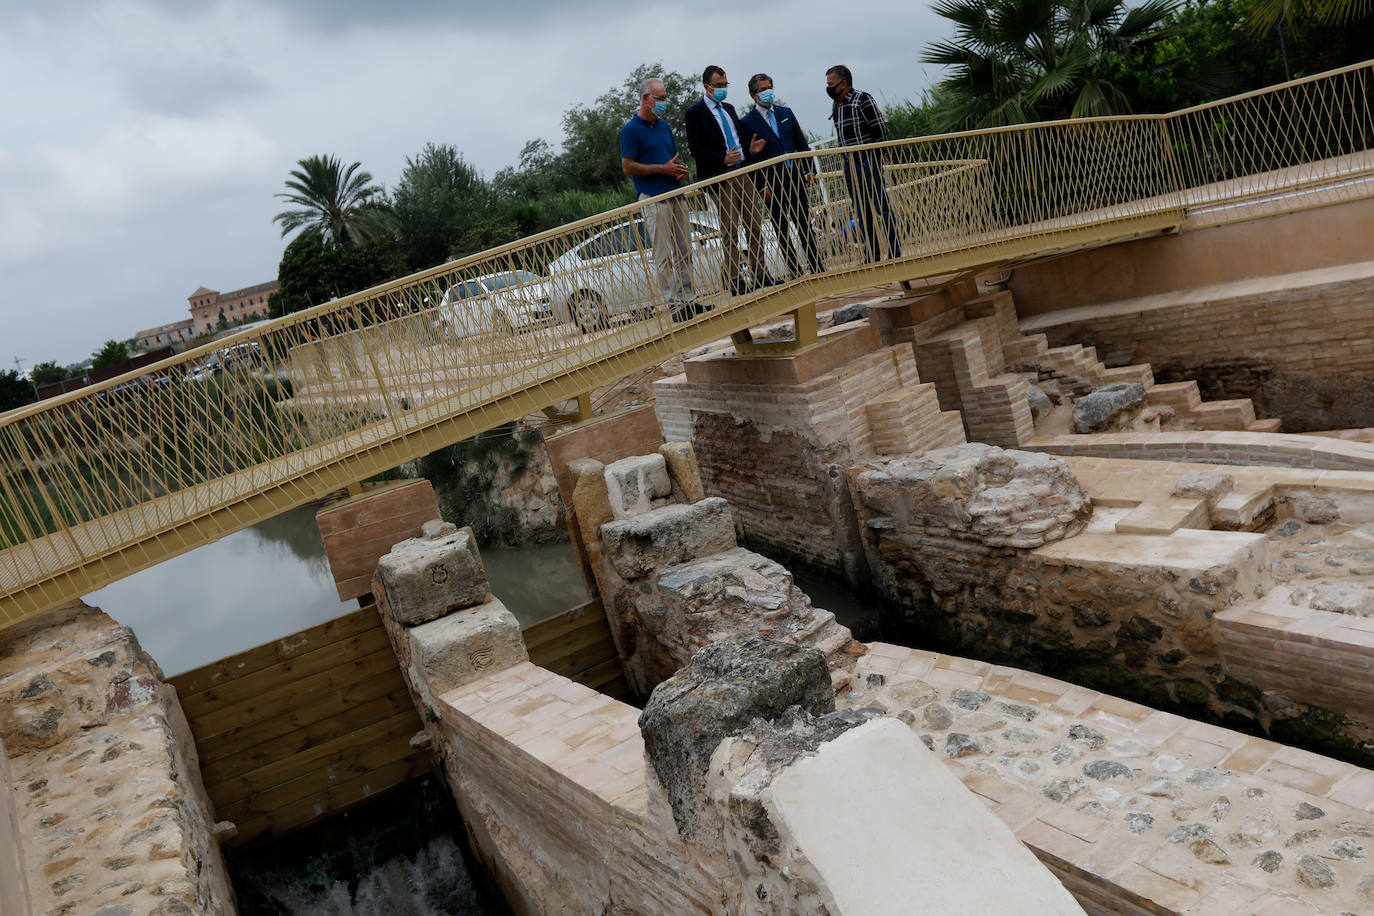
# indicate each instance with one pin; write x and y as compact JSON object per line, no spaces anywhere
{"x":713,"y":135}
{"x":783,"y":185}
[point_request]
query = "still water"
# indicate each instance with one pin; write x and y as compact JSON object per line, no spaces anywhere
{"x":270,"y":580}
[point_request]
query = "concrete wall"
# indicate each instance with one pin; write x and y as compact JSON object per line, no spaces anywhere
{"x":1306,"y":240}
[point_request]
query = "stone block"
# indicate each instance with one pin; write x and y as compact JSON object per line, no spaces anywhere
{"x":463,"y":646}
{"x":632,"y":484}
{"x":437,"y":528}
{"x":726,"y":686}
{"x":426,"y":579}
{"x":682,"y":467}
{"x":1211,"y":486}
{"x":668,"y":536}
{"x":1097,"y":409}
{"x":590,"y":503}
{"x":976,"y":492}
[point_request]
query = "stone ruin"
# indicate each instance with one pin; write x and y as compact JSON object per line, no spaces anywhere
{"x":670,"y":572}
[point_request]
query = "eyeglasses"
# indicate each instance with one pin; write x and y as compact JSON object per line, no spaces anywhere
{"x":720,"y":85}
{"x":658,"y":98}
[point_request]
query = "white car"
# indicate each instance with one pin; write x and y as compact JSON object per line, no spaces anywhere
{"x":612,"y":273}
{"x":507,"y":302}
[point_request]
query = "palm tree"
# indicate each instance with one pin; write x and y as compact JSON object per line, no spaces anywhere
{"x":340,"y":203}
{"x":1014,"y":61}
{"x":1262,"y":15}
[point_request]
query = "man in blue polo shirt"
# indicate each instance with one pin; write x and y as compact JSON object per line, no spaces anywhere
{"x":648,"y":154}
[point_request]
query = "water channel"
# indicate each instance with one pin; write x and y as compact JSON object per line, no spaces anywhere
{"x":270,"y":580}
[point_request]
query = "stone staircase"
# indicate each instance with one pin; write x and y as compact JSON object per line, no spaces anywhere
{"x":909,"y":419}
{"x":982,"y":365}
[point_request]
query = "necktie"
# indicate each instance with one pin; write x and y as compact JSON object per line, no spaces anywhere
{"x":725,"y":125}
{"x":773,"y":123}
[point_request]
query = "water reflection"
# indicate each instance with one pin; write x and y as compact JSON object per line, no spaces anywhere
{"x":272,"y":579}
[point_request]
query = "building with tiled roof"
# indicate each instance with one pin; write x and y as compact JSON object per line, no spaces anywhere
{"x":208,"y":305}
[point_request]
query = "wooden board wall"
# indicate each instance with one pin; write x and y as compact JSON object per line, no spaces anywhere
{"x":578,"y":645}
{"x":302,"y":728}
{"x":309,"y":725}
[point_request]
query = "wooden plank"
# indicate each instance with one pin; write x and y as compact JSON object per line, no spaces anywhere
{"x":554,"y":637}
{"x":323,"y":756}
{"x":391,"y":686}
{"x":291,"y":671}
{"x":279,"y":797}
{"x":249,"y":660}
{"x":580,"y":659}
{"x":264,"y":752}
{"x":543,"y":629}
{"x":335,"y":799}
{"x":575,"y":642}
{"x":600,"y":675}
{"x":299,"y":696}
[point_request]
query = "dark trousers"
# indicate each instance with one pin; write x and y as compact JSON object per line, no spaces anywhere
{"x":788,"y":205}
{"x":863,"y":174}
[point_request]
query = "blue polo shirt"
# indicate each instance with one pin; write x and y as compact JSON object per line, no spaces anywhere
{"x":651,"y":144}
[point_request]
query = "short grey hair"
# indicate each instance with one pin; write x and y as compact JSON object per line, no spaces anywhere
{"x":646,"y":87}
{"x":755,"y":80}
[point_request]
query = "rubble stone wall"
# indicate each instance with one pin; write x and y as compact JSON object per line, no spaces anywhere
{"x":105,"y":782}
{"x":979,"y":559}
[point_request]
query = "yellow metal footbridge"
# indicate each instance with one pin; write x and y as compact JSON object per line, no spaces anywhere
{"x":116,"y":477}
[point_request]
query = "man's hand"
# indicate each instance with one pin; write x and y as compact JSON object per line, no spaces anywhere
{"x":674,"y":168}
{"x":810,"y":179}
{"x":733,"y":155}
{"x":767,"y":195}
{"x":756,"y":144}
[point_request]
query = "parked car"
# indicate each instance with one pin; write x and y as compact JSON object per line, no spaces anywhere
{"x":613,"y":274}
{"x":507,"y":302}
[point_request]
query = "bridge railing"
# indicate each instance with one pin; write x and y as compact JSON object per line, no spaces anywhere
{"x":258,"y":410}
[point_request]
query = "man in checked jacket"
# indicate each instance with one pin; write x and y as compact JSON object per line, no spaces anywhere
{"x":857,"y":121}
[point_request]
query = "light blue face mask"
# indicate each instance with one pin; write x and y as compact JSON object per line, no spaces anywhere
{"x":660,"y":109}
{"x":766,"y":98}
{"x":718,"y":94}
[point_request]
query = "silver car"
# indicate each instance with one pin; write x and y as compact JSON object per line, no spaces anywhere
{"x":507,"y":302}
{"x":612,"y":273}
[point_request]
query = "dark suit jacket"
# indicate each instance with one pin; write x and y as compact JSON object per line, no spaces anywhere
{"x":788,"y":139}
{"x":705,"y":140}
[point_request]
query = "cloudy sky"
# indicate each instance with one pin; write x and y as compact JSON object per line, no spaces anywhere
{"x":141,"y":141}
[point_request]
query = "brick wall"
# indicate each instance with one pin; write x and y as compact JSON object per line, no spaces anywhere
{"x":551,"y":779}
{"x":1300,"y":346}
{"x":777,"y":448}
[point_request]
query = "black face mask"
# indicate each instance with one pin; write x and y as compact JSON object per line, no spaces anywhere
{"x":833,"y":91}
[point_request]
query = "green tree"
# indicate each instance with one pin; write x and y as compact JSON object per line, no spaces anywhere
{"x":1263,"y":15}
{"x":1013,"y":61}
{"x":15,"y":390}
{"x":47,"y":373}
{"x":445,"y":209}
{"x":114,"y":351}
{"x":1213,"y":54}
{"x":343,"y":204}
{"x":313,"y":271}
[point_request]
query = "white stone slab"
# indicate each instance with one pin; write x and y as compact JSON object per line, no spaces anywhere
{"x":892,"y":831}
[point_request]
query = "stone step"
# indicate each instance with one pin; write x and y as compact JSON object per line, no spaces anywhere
{"x":1271,"y":425}
{"x":1141,"y":374}
{"x":1237,"y":510}
{"x":1182,"y":396}
{"x":1235,"y":414}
